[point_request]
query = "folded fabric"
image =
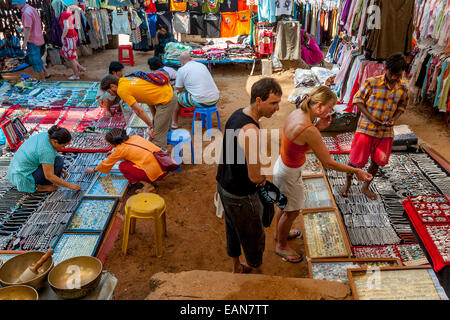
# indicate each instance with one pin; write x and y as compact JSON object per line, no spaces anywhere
{"x":159,"y":78}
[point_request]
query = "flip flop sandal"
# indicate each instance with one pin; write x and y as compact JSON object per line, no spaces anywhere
{"x":294,"y":233}
{"x":284,"y":255}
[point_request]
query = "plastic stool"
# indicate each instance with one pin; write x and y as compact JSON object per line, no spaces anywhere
{"x":177,"y":138}
{"x":130,"y":58}
{"x":206,"y":116}
{"x":145,"y":206}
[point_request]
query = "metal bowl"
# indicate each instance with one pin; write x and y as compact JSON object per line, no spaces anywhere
{"x":18,"y":292}
{"x":76,"y":277}
{"x":14,"y":267}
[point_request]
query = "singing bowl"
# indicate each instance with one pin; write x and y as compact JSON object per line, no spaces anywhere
{"x":18,"y":292}
{"x":14,"y":267}
{"x":76,"y":277}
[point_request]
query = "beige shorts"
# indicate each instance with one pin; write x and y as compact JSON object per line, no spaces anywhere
{"x":290,"y":183}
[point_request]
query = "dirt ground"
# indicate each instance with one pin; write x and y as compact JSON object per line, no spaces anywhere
{"x":196,"y":237}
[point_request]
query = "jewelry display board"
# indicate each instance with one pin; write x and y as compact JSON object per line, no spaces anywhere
{"x":430,"y":216}
{"x":339,"y":144}
{"x":92,"y":215}
{"x":44,"y":219}
{"x":11,"y":135}
{"x":108,"y":186}
{"x":336,"y":269}
{"x":317,"y":194}
{"x":312,"y":167}
{"x":403,"y":283}
{"x":71,"y":245}
{"x":409,"y":254}
{"x":87,"y":142}
{"x":324,"y":235}
{"x":381,"y":221}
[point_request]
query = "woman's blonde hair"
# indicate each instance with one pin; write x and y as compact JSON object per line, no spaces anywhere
{"x":319,"y":94}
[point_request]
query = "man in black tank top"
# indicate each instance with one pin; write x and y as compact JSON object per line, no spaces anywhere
{"x":239,"y":174}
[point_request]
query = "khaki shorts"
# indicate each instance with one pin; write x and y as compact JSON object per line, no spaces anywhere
{"x":162,"y":122}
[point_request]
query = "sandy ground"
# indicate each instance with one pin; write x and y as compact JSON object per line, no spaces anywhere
{"x":196,"y":237}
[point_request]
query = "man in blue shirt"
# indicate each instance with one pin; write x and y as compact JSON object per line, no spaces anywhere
{"x":10,"y":46}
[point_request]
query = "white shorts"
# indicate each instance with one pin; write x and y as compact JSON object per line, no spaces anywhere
{"x":290,"y":183}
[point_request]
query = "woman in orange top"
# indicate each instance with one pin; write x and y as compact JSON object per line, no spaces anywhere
{"x":298,"y":136}
{"x":139,"y":164}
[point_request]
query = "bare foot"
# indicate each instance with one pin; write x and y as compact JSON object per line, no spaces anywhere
{"x":148,"y":187}
{"x":47,"y":188}
{"x":344,"y":190}
{"x":369,"y":193}
{"x":243,"y":269}
{"x":288,"y":254}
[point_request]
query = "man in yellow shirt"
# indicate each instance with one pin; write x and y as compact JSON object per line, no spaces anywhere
{"x":159,"y":98}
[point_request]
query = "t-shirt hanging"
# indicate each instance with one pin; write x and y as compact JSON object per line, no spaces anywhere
{"x":178,"y":5}
{"x":197,"y":24}
{"x":211,"y":6}
{"x":228,"y":27}
{"x":212,"y":25}
{"x":181,"y":22}
{"x":195,"y":5}
{"x":229,"y":6}
{"x":266,"y":11}
{"x":120,"y":24}
{"x":150,"y":5}
{"x":244,"y":23}
{"x":283,"y":7}
{"x":162,"y":5}
{"x":265,"y":44}
{"x":165,"y":20}
{"x":242,"y":5}
{"x":152,"y":19}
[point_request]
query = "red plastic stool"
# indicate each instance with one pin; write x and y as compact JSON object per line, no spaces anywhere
{"x":187,"y":112}
{"x":130,"y":58}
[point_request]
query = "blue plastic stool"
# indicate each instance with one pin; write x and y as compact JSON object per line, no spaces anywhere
{"x":177,"y":138}
{"x":206,"y":116}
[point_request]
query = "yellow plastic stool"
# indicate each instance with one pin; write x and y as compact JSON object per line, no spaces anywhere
{"x":145,"y":206}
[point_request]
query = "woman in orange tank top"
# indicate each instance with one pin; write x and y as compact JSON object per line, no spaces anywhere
{"x":298,"y":136}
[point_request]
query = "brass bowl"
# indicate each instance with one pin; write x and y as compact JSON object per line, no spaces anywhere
{"x":14,"y":267}
{"x":19,"y":292}
{"x":76,"y":277}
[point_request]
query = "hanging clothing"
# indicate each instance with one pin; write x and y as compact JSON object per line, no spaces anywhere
{"x":164,"y":20}
{"x":229,"y":6}
{"x":197,"y":24}
{"x":228,"y":26}
{"x":181,"y":22}
{"x":244,"y":22}
{"x":283,"y":7}
{"x":120,"y":23}
{"x":178,"y":5}
{"x":212,"y":25}
{"x":162,"y":5}
{"x":211,"y":6}
{"x":195,"y":5}
{"x":267,"y":11}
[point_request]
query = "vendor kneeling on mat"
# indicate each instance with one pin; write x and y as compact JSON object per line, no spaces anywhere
{"x":36,"y":165}
{"x":139,"y":165}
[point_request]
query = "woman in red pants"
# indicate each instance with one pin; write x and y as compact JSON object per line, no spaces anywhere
{"x":138,"y":163}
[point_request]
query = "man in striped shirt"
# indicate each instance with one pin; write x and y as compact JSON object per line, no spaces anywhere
{"x":381,"y":100}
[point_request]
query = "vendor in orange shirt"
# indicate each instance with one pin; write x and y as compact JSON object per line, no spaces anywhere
{"x":139,"y":164}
